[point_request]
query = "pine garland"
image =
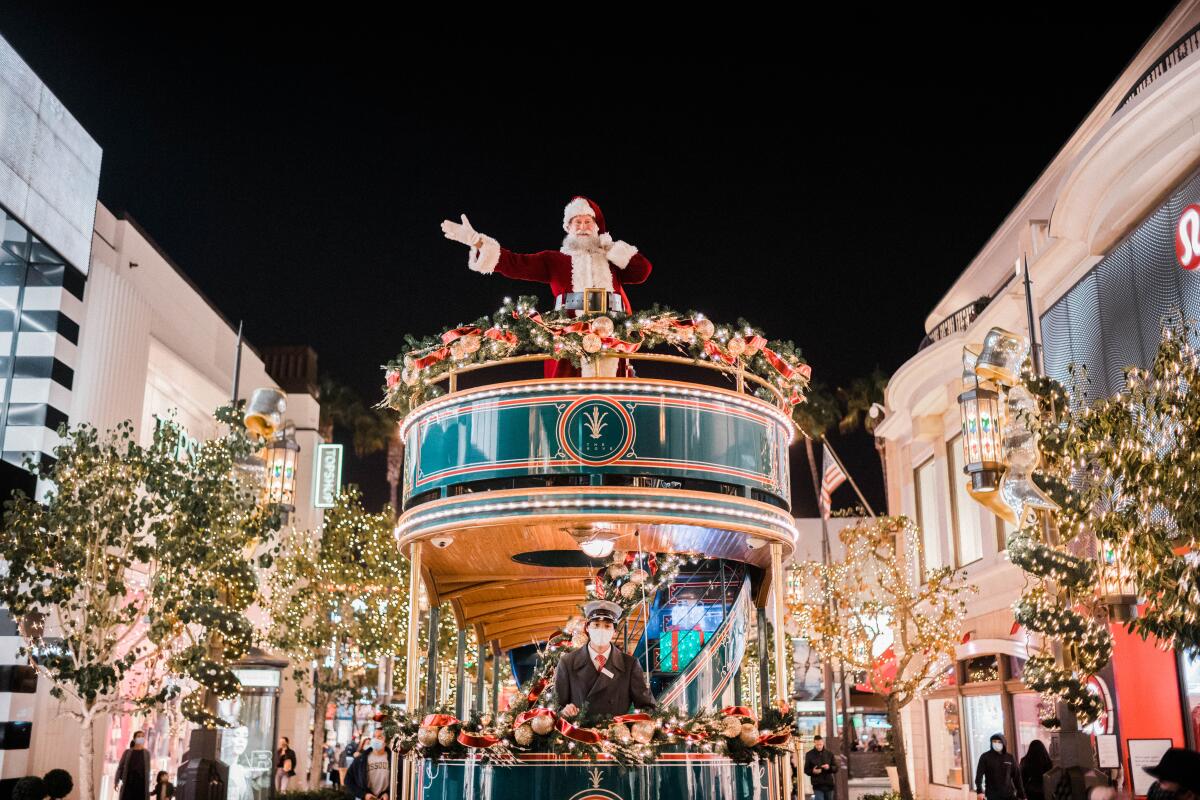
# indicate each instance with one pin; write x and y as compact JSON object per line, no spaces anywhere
{"x":518,"y":329}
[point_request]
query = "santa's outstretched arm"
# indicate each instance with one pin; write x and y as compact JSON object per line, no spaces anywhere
{"x":487,"y":256}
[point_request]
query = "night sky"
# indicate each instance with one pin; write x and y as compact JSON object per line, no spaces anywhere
{"x":297,"y":171}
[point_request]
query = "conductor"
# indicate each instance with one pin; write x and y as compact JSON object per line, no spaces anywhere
{"x":600,"y":677}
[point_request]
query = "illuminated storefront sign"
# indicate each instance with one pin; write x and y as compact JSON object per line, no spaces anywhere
{"x":327,"y":475}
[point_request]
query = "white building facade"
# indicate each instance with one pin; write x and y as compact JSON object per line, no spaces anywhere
{"x":1098,"y":231}
{"x":98,"y":325}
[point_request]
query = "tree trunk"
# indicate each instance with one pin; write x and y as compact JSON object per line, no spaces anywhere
{"x":318,"y":752}
{"x":898,"y":748}
{"x":87,"y":786}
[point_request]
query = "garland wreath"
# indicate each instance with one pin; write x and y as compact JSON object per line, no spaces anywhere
{"x":533,"y":725}
{"x":518,"y":328}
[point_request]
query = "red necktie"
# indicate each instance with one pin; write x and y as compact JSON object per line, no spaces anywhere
{"x":599,"y":663}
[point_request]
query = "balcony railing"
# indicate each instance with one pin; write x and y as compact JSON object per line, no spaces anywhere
{"x":1189,"y":43}
{"x":955,"y":323}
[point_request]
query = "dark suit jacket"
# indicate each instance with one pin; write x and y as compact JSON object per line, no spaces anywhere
{"x":577,"y":681}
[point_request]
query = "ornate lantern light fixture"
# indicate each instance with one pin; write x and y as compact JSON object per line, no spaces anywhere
{"x":281,"y":454}
{"x":982,"y":440}
{"x":1118,"y":590}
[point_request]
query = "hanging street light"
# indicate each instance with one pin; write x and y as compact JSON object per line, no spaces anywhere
{"x":1118,"y":591}
{"x":281,"y":454}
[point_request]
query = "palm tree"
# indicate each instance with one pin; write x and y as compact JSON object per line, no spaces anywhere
{"x":860,"y":404}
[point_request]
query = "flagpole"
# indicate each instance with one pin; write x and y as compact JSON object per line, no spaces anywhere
{"x":849,"y":477}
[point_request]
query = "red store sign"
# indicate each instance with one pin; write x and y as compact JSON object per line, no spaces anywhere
{"x":1187,"y":237}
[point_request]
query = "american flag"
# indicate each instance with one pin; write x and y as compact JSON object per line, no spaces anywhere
{"x":831,"y":478}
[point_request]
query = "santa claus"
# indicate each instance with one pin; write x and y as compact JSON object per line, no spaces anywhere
{"x":587,"y":274}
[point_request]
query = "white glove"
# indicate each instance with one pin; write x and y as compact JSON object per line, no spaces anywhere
{"x":461,"y":233}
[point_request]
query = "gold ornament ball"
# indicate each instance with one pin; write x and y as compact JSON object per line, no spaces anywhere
{"x":579,"y":639}
{"x":523,"y":735}
{"x":410,"y":377}
{"x":749,"y":734}
{"x":736,"y":346}
{"x":457,"y":352}
{"x":591,"y":343}
{"x":628,"y":590}
{"x":618,"y":571}
{"x":642,"y":732}
{"x":446,"y":736}
{"x":638,"y":576}
{"x":542,"y":725}
{"x":602,"y":326}
{"x":619,"y":733}
{"x":705,"y":329}
{"x":470,"y":343}
{"x":731,"y":727}
{"x":427,"y":736}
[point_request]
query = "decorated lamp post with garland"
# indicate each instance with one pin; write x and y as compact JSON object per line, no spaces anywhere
{"x":134,"y":564}
{"x":669,"y":496}
{"x":1119,"y":471}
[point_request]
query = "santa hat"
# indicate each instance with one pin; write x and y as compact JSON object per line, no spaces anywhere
{"x":581,"y":205}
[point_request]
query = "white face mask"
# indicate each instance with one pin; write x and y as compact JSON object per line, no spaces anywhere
{"x":377,"y":745}
{"x":138,"y":740}
{"x":601,"y":636}
{"x":997,"y":746}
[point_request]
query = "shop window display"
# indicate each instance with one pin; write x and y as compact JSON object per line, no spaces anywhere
{"x":982,"y":669}
{"x":985,"y":715}
{"x":1191,"y":677}
{"x":927,"y":514}
{"x":945,"y":742}
{"x":1027,"y":710}
{"x":966,"y":512}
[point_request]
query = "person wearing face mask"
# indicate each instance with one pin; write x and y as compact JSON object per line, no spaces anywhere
{"x":133,"y":772}
{"x":369,"y":776}
{"x":600,"y":676}
{"x":997,"y":777}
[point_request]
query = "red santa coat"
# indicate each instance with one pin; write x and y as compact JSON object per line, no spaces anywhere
{"x":617,"y":264}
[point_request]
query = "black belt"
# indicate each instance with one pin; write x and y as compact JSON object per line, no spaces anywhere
{"x":590,"y":301}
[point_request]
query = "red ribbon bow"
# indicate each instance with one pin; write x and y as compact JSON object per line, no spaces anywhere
{"x":584,"y":735}
{"x":477,"y":740}
{"x":738,"y":711}
{"x":438,"y":720}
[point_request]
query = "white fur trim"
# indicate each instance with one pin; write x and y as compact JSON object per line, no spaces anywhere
{"x":486,"y":257}
{"x":574,"y":209}
{"x":620,"y":253}
{"x":589,"y":271}
{"x":606,"y":240}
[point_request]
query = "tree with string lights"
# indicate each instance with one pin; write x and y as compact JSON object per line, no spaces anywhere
{"x":337,"y":602}
{"x":130,"y":580}
{"x":873,"y":599}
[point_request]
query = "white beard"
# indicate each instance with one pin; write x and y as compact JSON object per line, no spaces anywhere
{"x":589,"y":262}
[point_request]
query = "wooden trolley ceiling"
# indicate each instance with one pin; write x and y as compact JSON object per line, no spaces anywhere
{"x":514,"y":604}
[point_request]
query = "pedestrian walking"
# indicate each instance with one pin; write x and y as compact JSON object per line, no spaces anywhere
{"x":133,"y":772}
{"x":285,"y":764}
{"x":163,"y":788}
{"x":820,"y":766}
{"x":1178,"y":771}
{"x":369,"y":777}
{"x":1034,"y":767}
{"x":997,"y":776}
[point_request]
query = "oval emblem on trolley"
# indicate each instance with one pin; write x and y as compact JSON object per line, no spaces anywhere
{"x":595,"y":431}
